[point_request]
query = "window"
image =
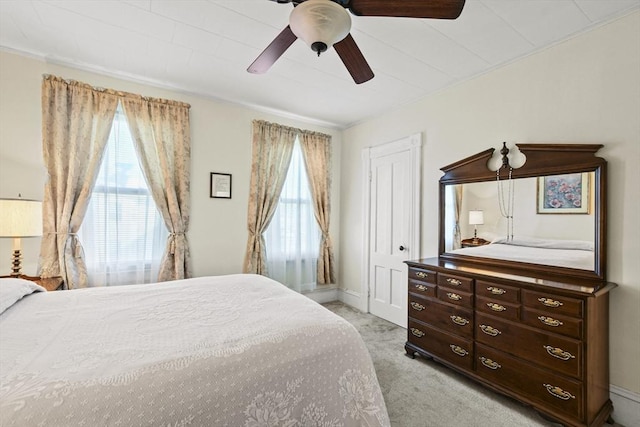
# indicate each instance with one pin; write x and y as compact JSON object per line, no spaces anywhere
{"x":293,"y":236}
{"x":123,"y":233}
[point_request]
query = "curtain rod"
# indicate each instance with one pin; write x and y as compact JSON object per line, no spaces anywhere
{"x":117,"y":93}
{"x":297,"y":130}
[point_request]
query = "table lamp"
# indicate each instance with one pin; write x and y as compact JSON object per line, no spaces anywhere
{"x":476,"y":218}
{"x":19,"y":218}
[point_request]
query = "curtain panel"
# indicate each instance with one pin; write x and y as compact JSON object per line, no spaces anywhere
{"x":272,"y":146}
{"x":76,"y":121}
{"x":316,"y":149}
{"x":457,"y":236}
{"x":161,"y":134}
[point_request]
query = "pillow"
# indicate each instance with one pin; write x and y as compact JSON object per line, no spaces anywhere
{"x":13,"y":289}
{"x":546,"y":243}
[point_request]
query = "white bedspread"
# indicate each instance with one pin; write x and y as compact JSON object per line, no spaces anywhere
{"x":238,"y":350}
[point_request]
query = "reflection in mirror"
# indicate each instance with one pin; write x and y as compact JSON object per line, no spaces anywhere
{"x":552,"y":212}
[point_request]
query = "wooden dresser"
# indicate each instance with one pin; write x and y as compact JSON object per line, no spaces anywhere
{"x":542,"y":342}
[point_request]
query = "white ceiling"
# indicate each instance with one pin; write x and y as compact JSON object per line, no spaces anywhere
{"x":205,"y":47}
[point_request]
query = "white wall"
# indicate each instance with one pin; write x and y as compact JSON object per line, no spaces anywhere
{"x":527,"y":222}
{"x":220,"y":142}
{"x":585,"y":90}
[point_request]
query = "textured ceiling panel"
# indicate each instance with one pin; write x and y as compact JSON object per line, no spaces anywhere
{"x":204,"y":47}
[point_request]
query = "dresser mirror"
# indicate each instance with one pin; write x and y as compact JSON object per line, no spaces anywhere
{"x":546,"y":215}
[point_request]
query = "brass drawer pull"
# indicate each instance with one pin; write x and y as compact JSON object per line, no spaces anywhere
{"x":417,"y":332}
{"x":421,"y":288}
{"x":454,"y":282}
{"x":453,"y":296}
{"x":496,"y":291}
{"x":556,"y":391}
{"x":458,"y":350}
{"x":421,"y":275}
{"x":490,"y":363}
{"x":548,"y":302}
{"x":558,"y":353}
{"x":489,"y":330}
{"x":496,"y":307}
{"x":416,"y":306}
{"x":461,"y":321}
{"x":550,"y":321}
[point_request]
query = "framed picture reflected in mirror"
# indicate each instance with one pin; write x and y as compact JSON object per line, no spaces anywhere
{"x":563,"y":194}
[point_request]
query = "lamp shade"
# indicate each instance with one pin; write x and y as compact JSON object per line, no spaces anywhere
{"x":20,"y":218}
{"x":476,"y":217}
{"x":320,"y":23}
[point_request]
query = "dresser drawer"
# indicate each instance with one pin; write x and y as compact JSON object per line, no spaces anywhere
{"x":450,"y":318}
{"x":545,"y":387}
{"x":553,"y":303}
{"x":548,"y":350}
{"x":498,"y":308}
{"x":427,"y":276}
{"x":568,"y":326}
{"x":422,"y":288}
{"x":453,"y":296}
{"x":442,"y":345}
{"x":458,"y":283}
{"x":497,"y":292}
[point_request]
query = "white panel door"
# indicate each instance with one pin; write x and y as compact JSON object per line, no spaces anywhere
{"x":390,"y":225}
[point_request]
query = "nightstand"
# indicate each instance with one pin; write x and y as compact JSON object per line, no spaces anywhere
{"x":49,"y":283}
{"x":472,"y":243}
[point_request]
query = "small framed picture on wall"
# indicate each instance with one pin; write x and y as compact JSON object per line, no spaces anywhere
{"x":220,"y":185}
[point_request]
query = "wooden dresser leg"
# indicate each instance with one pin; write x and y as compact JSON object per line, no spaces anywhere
{"x":410,"y":353}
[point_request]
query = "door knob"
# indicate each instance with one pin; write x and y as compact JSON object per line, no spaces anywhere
{"x":402,"y":248}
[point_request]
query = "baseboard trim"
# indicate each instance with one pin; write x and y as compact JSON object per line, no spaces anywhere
{"x":635,"y":397}
{"x":322,"y":296}
{"x":626,"y":406}
{"x":352,"y":298}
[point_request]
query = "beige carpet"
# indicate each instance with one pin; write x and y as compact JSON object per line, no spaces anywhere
{"x":422,"y":393}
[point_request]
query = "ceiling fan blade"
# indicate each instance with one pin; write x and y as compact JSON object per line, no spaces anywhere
{"x":439,"y":9}
{"x":353,"y":59}
{"x":270,"y":55}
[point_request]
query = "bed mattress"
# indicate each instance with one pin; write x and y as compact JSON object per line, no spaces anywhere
{"x":237,"y":350}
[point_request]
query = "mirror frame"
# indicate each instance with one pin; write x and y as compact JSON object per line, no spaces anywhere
{"x":541,"y":160}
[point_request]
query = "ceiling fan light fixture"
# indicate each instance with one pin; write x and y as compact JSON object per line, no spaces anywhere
{"x":320,"y":23}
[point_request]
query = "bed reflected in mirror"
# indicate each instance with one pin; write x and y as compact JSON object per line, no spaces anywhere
{"x":546,"y":220}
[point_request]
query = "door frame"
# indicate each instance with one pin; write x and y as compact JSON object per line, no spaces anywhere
{"x":413,"y":144}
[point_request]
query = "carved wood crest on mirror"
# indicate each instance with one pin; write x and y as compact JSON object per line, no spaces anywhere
{"x":537,"y":207}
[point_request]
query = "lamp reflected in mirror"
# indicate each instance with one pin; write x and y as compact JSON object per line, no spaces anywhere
{"x":476,"y":218}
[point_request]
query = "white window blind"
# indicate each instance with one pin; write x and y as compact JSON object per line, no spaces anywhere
{"x":293,"y":236}
{"x":123,"y":234}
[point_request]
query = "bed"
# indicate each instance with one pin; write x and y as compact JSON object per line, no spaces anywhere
{"x":236,"y":350}
{"x":561,"y":253}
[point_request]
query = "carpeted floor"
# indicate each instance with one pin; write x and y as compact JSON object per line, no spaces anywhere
{"x":422,"y":393}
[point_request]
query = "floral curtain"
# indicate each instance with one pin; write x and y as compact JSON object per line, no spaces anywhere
{"x":76,"y":121}
{"x":316,"y":148}
{"x":271,"y":153}
{"x":457,"y":237}
{"x":161,"y":134}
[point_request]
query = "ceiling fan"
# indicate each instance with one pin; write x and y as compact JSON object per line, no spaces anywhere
{"x":325,"y":23}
